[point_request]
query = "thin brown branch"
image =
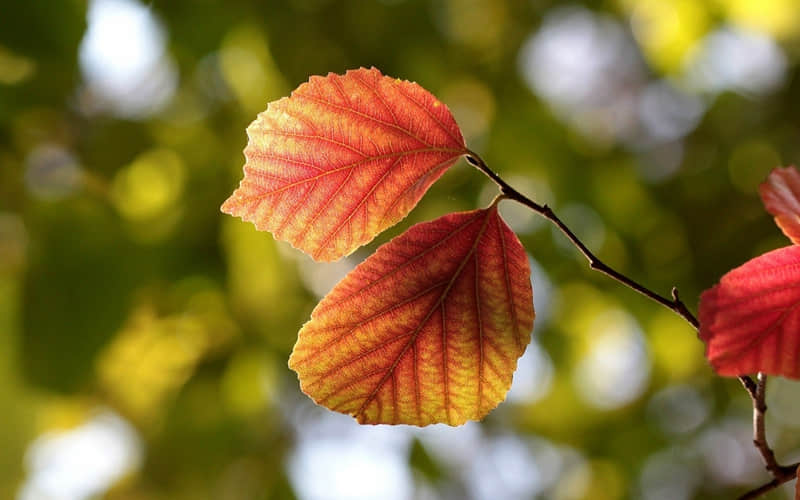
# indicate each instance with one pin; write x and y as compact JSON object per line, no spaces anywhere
{"x":759,"y":430}
{"x":749,"y":386}
{"x":756,"y":390}
{"x":675,"y":304}
{"x":762,"y":490}
{"x":780,"y":473}
{"x":767,"y":487}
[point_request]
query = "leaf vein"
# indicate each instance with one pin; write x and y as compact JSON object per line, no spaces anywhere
{"x":431,"y":115}
{"x":361,"y":323}
{"x":377,"y":94}
{"x":445,"y":292}
{"x":480,"y":332}
{"x":507,"y":278}
{"x":263,"y":173}
{"x":365,"y":116}
{"x":361,"y":202}
{"x":405,"y":264}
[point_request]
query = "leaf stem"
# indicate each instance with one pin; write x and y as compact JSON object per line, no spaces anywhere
{"x":756,"y":390}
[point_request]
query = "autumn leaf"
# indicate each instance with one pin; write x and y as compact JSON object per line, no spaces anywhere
{"x":342,"y":159}
{"x":797,"y":486}
{"x":781,"y":196}
{"x":426,"y":330}
{"x":750,"y":321}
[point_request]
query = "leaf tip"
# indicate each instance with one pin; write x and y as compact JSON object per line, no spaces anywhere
{"x":780,"y":193}
{"x":231,"y":205}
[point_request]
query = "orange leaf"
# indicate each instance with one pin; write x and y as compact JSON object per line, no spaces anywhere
{"x":426,"y":330}
{"x":781,"y":196}
{"x":750,"y":321}
{"x":342,"y":159}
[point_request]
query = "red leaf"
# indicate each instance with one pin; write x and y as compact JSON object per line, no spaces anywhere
{"x":781,"y":196}
{"x":426,"y":330}
{"x":797,"y":486}
{"x":750,"y":321}
{"x":342,"y":159}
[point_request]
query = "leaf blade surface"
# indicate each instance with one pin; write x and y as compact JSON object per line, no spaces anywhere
{"x":750,"y":321}
{"x":343,"y":158}
{"x":426,"y":330}
{"x":781,"y":196}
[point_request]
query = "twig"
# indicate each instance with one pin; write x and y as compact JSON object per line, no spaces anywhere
{"x":675,"y":304}
{"x":780,"y":473}
{"x":750,"y":387}
{"x":761,"y":490}
{"x":757,"y":391}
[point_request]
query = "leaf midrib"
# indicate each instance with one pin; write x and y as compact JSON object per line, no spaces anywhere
{"x":418,"y":329}
{"x":361,"y":162}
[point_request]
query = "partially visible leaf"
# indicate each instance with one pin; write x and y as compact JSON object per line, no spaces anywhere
{"x":797,"y":486}
{"x":781,"y":196}
{"x":342,"y":159}
{"x":750,"y":321}
{"x":428,"y":329}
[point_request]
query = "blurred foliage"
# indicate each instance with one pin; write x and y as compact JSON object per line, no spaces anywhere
{"x":123,"y":288}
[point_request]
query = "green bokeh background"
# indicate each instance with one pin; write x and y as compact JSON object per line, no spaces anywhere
{"x":124,"y":289}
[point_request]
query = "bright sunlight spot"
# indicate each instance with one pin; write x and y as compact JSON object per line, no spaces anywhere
{"x":123,"y":59}
{"x":335,"y":458}
{"x":737,"y":60}
{"x":616,"y":369}
{"x":81,"y":463}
